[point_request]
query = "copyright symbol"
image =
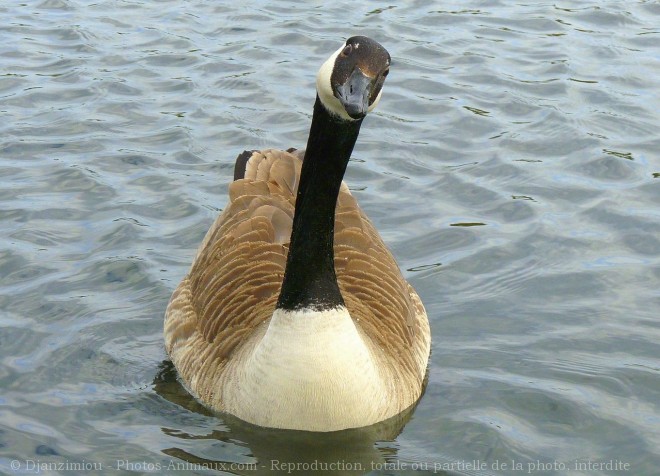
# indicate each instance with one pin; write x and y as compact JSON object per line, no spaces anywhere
{"x":15,"y":465}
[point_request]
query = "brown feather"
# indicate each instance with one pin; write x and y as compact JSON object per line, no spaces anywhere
{"x":233,"y":284}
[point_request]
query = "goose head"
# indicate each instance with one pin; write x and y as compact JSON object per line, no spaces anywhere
{"x":350,"y":82}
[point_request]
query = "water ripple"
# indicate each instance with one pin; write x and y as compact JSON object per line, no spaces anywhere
{"x":517,"y":188}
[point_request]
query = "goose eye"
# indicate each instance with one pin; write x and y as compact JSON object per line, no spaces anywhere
{"x":385,"y":73}
{"x":347,"y":50}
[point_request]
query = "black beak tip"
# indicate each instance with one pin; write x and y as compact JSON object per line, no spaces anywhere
{"x":356,"y":111}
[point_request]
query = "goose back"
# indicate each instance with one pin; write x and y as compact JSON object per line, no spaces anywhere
{"x":229,"y":295}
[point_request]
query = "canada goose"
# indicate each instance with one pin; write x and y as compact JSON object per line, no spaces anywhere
{"x":294,"y":313}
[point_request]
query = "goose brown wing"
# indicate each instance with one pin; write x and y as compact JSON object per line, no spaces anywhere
{"x":380,"y":300}
{"x":235,"y":278}
{"x":233,"y":284}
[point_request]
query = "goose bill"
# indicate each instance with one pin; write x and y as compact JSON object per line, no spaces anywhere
{"x":354,"y":94}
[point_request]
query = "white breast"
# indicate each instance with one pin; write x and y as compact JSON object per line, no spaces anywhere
{"x":309,"y":369}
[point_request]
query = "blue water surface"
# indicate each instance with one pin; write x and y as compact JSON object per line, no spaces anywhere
{"x":513,"y":166}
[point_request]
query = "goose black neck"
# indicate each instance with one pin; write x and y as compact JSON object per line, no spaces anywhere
{"x":309,"y":279}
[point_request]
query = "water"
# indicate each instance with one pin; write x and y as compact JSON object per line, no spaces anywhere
{"x":513,"y":167}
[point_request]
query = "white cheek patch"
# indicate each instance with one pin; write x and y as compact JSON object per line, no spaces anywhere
{"x":324,"y":88}
{"x":380,"y":93}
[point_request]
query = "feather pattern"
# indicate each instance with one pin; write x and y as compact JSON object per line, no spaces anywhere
{"x":227,"y":299}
